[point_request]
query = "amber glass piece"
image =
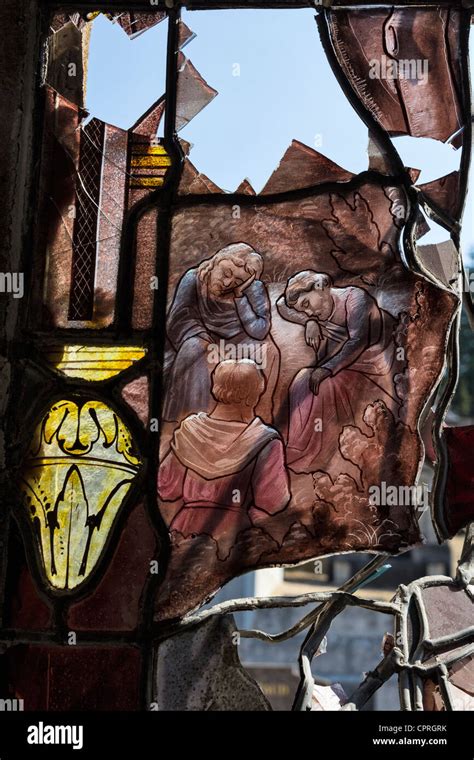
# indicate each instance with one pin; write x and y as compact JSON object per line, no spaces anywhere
{"x":93,"y":363}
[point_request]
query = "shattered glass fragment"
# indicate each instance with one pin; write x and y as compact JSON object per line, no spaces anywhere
{"x":193,"y":95}
{"x":403,"y":63}
{"x":445,"y":193}
{"x":300,"y":167}
{"x":185,"y":35}
{"x":135,"y":23}
{"x":192,"y":181}
{"x":246,"y":188}
{"x":206,"y":658}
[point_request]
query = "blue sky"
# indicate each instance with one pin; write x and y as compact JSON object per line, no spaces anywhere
{"x":284,"y":89}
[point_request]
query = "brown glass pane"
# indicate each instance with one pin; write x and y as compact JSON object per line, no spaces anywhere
{"x":462,"y":675}
{"x":373,"y":47}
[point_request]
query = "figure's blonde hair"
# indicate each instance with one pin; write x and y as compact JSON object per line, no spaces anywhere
{"x":238,"y":381}
{"x":241,"y":254}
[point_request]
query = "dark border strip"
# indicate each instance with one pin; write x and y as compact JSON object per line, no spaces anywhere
{"x":210,"y":5}
{"x":165,"y":204}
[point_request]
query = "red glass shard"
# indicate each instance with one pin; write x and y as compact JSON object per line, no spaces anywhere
{"x":114,"y":604}
{"x":185,"y":35}
{"x":60,"y":19}
{"x":459,"y":503}
{"x":104,"y":678}
{"x":147,"y":125}
{"x":65,"y":56}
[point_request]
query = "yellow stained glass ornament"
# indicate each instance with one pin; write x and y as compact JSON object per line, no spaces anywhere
{"x":93,"y":363}
{"x":79,"y":468}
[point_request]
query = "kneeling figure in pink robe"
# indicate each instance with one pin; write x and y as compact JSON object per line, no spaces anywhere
{"x":228,"y":467}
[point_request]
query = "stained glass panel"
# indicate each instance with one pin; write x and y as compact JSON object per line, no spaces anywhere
{"x":204,"y":382}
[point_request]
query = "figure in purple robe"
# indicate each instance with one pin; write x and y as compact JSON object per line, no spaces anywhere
{"x":352,"y":338}
{"x":220,"y":310}
{"x":226,"y":470}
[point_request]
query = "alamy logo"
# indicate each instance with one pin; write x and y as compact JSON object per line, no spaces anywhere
{"x":385,"y":495}
{"x":12,"y":282}
{"x":11,"y":705}
{"x":414,"y":69}
{"x":41,"y":734}
{"x":219,"y":352}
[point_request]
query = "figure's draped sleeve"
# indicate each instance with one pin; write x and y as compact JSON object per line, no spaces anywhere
{"x":270,"y":484}
{"x":171,"y":475}
{"x":254,"y":310}
{"x":184,"y":318}
{"x":291,"y":315}
{"x":359,"y":311}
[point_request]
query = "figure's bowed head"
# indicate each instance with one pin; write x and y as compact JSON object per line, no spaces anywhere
{"x":310,"y":292}
{"x":237,"y":386}
{"x":231,"y":270}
